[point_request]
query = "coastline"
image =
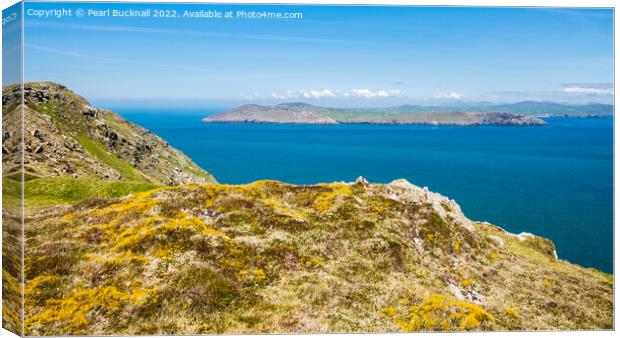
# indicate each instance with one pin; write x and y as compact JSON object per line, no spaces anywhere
{"x":396,"y":123}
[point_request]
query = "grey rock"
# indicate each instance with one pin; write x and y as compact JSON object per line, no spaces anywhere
{"x":37,"y":133}
{"x":90,"y":111}
{"x":362,"y":181}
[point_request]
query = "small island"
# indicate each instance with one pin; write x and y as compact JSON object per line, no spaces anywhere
{"x":303,"y":113}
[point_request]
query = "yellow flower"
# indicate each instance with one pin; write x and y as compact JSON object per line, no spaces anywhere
{"x":466,"y":282}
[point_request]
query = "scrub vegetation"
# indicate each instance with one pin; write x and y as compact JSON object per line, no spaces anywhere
{"x":273,"y":257}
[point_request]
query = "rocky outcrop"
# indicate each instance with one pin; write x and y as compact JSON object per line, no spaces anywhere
{"x":510,"y":119}
{"x":65,"y":135}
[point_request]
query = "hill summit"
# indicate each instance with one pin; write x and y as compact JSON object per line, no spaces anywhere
{"x":65,"y":135}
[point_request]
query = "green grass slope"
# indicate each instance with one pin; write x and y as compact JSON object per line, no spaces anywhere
{"x":63,"y":190}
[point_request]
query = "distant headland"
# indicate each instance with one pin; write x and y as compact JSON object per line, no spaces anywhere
{"x":516,"y":114}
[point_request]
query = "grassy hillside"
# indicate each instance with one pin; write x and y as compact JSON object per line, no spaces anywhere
{"x":273,"y":257}
{"x":64,"y":190}
{"x":65,"y":136}
{"x":71,"y":151}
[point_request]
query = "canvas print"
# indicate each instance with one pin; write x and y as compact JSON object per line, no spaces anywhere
{"x":225,"y":168}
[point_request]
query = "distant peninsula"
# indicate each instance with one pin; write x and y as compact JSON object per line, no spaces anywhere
{"x":303,"y":113}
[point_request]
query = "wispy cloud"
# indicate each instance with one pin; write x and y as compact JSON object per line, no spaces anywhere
{"x":251,"y":96}
{"x":364,"y":93}
{"x":110,"y":59}
{"x":578,"y":92}
{"x":588,"y":89}
{"x":185,"y":32}
{"x":449,"y":96}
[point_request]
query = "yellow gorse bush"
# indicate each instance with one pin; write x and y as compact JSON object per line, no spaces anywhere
{"x":325,"y":201}
{"x":73,"y":313}
{"x":440,"y":313}
{"x":137,"y":203}
{"x":511,"y":312}
{"x":283,"y":209}
{"x":466,"y":282}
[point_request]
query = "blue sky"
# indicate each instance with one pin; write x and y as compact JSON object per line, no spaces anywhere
{"x":344,"y":56}
{"x":11,"y":43}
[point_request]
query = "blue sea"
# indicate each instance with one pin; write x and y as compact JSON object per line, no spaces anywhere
{"x":555,"y":181}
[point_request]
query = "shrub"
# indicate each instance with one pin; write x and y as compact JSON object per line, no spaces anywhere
{"x":440,"y":313}
{"x":80,"y":309}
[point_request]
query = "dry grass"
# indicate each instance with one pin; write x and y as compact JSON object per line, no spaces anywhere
{"x":272,"y":257}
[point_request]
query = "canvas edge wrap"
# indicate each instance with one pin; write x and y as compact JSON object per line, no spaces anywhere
{"x":12,"y":171}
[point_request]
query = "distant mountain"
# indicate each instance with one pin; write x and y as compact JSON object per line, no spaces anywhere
{"x":303,"y":113}
{"x":536,"y":108}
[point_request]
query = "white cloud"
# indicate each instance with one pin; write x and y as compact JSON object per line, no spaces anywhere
{"x":450,"y":96}
{"x":304,"y":94}
{"x":328,"y":93}
{"x":369,"y":94}
{"x":318,"y":94}
{"x":579,"y":90}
